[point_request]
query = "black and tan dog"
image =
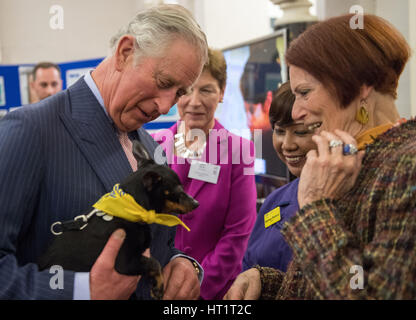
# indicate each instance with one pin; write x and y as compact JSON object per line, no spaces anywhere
{"x":78,"y":243}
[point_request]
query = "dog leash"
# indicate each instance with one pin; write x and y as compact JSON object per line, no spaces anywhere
{"x":118,"y":203}
{"x":79,"y":222}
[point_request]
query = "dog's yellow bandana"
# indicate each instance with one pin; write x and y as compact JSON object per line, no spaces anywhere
{"x":120,"y":204}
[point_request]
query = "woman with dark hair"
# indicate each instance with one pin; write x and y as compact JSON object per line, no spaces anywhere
{"x":354,"y":236}
{"x":291,"y":141}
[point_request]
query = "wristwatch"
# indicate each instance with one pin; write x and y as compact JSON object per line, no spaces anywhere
{"x":196,"y":267}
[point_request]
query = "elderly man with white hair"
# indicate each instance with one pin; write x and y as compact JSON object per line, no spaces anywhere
{"x":59,"y":156}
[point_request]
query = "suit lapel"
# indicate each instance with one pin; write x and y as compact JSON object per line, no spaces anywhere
{"x":95,"y":136}
{"x":195,"y":185}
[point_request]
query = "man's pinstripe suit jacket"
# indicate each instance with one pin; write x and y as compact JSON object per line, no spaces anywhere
{"x":57,"y":157}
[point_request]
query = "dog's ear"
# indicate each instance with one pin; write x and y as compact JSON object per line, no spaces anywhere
{"x":140,"y":153}
{"x":150,"y":180}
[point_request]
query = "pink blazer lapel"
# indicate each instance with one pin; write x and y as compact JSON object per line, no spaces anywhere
{"x":197,"y":185}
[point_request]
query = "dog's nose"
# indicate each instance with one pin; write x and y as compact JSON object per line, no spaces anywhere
{"x":194,"y":204}
{"x":188,"y":202}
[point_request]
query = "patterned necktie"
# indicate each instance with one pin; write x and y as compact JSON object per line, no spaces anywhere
{"x":128,"y":149}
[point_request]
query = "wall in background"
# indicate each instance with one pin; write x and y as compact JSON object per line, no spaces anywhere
{"x":397,"y":12}
{"x":26,"y":35}
{"x":233,"y":21}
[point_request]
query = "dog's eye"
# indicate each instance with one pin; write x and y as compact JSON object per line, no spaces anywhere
{"x":166,"y":192}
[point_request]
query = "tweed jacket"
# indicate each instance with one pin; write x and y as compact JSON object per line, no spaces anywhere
{"x":372,"y":227}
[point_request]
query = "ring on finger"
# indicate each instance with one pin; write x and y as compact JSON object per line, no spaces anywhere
{"x":349,"y":149}
{"x":335,"y":143}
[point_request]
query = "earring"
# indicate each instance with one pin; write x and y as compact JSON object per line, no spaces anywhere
{"x":362,"y":114}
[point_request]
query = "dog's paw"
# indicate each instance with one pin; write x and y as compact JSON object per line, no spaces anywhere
{"x":157,"y":290}
{"x":156,"y":281}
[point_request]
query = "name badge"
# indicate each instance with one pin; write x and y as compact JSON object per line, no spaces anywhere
{"x":272,"y":217}
{"x":204,"y":171}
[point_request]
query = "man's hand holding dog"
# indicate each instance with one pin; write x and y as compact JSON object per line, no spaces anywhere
{"x":105,"y":282}
{"x":181,"y":280}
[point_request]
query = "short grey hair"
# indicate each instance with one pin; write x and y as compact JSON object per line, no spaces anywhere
{"x":155,"y":28}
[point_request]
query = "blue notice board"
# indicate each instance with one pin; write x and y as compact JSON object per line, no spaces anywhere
{"x":14,"y":81}
{"x":9,"y":87}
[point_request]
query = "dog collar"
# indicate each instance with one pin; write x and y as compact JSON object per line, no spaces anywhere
{"x":120,"y":204}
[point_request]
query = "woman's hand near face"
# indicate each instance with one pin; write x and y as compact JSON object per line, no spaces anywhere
{"x":327,"y":172}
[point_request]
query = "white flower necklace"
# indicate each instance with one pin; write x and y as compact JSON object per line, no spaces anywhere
{"x":183,"y":151}
{"x":180,"y":146}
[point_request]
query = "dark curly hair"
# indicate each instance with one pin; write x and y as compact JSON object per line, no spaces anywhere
{"x":280,"y":112}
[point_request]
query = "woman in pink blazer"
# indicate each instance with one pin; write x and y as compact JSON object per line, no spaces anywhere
{"x":216,"y":167}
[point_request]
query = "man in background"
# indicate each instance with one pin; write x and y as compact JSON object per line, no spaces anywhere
{"x":46,"y":81}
